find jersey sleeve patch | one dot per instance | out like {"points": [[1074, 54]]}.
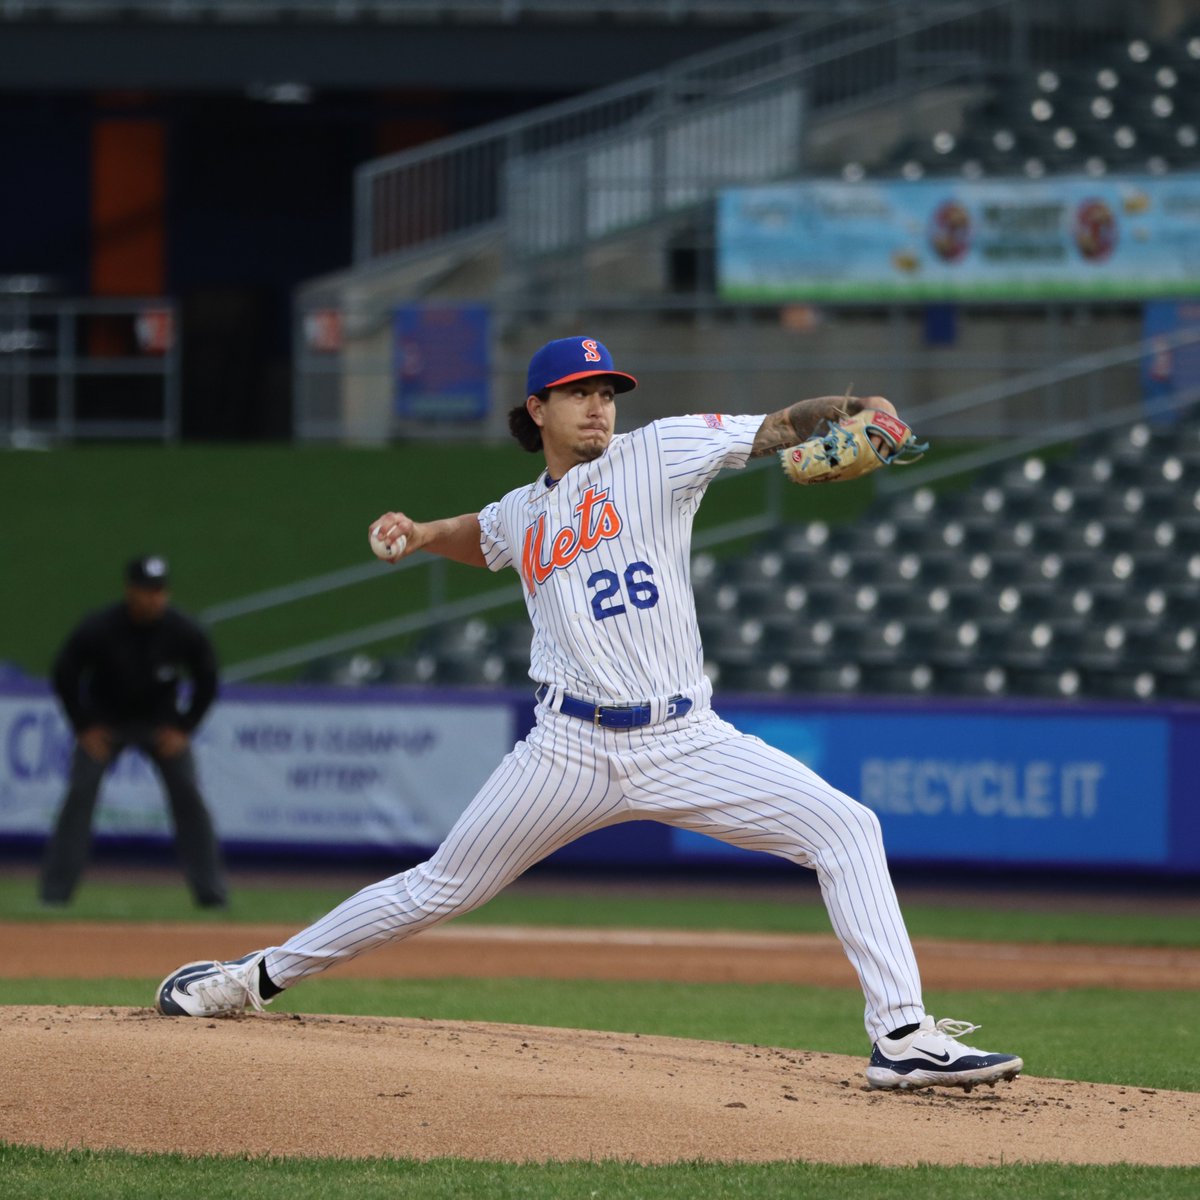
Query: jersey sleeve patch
{"points": [[713, 420]]}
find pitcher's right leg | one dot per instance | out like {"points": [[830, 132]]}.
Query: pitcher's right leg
{"points": [[547, 792]]}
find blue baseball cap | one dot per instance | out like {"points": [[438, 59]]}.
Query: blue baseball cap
{"points": [[567, 359]]}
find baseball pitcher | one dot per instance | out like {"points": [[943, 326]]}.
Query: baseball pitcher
{"points": [[624, 729]]}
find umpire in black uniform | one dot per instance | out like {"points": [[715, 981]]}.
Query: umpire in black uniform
{"points": [[117, 676]]}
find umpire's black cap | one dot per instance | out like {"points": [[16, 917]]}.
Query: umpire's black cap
{"points": [[148, 571]]}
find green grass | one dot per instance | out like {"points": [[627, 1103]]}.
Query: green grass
{"points": [[113, 1175], [297, 906], [86, 1175]]}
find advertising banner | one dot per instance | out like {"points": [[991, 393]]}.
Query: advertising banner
{"points": [[276, 770], [442, 361], [990, 788], [1169, 369], [1064, 237], [337, 774]]}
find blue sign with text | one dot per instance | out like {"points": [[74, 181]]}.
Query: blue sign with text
{"points": [[1088, 790], [442, 366]]}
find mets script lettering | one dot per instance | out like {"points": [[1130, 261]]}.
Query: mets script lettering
{"points": [[598, 521]]}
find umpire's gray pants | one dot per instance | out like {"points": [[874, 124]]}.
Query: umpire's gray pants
{"points": [[195, 840]]}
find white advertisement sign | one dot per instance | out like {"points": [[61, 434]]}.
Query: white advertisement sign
{"points": [[275, 771]]}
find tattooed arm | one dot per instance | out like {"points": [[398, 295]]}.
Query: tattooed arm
{"points": [[794, 424]]}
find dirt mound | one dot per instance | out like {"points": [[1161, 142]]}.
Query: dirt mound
{"points": [[363, 1086]]}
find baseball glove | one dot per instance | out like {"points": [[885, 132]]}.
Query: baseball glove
{"points": [[847, 451]]}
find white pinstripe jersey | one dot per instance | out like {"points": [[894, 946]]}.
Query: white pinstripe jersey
{"points": [[605, 556]]}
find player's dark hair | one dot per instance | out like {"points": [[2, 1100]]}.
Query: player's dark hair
{"points": [[523, 427]]}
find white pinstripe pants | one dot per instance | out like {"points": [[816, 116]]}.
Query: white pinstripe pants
{"points": [[698, 773]]}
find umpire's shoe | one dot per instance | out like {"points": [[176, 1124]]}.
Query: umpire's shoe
{"points": [[212, 989], [933, 1056]]}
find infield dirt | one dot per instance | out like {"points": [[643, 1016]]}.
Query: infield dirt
{"points": [[363, 1086]]}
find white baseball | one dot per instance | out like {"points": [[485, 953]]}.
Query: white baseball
{"points": [[389, 551]]}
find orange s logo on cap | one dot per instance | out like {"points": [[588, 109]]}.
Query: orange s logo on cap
{"points": [[590, 351]]}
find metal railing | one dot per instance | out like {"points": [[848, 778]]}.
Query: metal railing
{"points": [[1050, 432], [661, 165], [73, 367], [409, 201]]}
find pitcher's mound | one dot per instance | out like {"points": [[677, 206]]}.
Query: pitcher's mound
{"points": [[363, 1086]]}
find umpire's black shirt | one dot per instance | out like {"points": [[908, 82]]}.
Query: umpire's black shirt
{"points": [[112, 670]]}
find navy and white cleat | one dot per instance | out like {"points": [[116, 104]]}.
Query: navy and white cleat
{"points": [[212, 989], [932, 1056]]}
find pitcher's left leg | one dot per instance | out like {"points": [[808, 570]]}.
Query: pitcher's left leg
{"points": [[718, 781]]}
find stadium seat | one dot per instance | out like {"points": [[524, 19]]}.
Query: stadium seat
{"points": [[1064, 683], [1166, 651], [1182, 544], [975, 602], [320, 670], [512, 643], [912, 679], [1113, 535], [485, 670], [1026, 568], [952, 569], [1171, 606], [973, 680], [1121, 685], [843, 679], [804, 540], [466, 639], [1180, 687], [756, 677], [965, 643], [409, 669], [734, 642], [705, 569], [885, 642], [812, 598], [356, 670], [1028, 647], [809, 645], [1036, 602], [1101, 648]]}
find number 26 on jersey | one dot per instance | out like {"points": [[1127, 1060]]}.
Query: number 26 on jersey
{"points": [[608, 597]]}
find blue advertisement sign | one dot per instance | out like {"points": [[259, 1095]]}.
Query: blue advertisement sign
{"points": [[441, 361], [337, 772], [989, 788], [948, 239], [1169, 369]]}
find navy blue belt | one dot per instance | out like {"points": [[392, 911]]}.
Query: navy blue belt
{"points": [[614, 716]]}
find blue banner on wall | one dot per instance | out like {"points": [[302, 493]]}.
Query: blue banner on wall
{"points": [[1169, 369], [336, 772], [1085, 790], [442, 361]]}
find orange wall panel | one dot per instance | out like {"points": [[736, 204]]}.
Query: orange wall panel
{"points": [[128, 211]]}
